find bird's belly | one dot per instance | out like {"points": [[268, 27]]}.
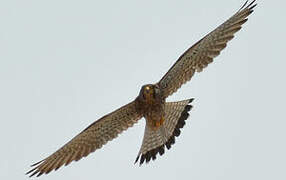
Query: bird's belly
{"points": [[155, 118]]}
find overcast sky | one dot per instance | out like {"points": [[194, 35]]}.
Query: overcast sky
{"points": [[66, 63]]}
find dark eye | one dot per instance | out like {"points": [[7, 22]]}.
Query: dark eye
{"points": [[143, 95]]}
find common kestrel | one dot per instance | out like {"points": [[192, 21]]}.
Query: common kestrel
{"points": [[163, 119]]}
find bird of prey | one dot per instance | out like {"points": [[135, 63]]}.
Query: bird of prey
{"points": [[163, 119]]}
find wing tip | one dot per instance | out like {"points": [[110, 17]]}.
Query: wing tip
{"points": [[249, 6], [35, 170]]}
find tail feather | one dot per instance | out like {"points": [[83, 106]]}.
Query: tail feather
{"points": [[154, 141]]}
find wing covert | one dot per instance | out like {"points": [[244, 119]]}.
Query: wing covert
{"points": [[93, 137], [202, 53]]}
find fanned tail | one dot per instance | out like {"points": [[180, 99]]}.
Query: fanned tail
{"points": [[155, 141]]}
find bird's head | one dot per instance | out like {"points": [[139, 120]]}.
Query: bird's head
{"points": [[149, 93]]}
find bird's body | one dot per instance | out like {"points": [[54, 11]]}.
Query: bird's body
{"points": [[163, 119], [152, 105]]}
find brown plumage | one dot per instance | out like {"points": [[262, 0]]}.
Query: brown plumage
{"points": [[197, 57], [90, 139], [164, 120]]}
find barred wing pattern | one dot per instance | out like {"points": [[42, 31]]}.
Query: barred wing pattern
{"points": [[202, 53], [195, 59], [90, 139]]}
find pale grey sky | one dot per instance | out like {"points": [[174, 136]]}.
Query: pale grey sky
{"points": [[66, 63]]}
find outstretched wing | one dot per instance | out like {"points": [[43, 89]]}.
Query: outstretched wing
{"points": [[202, 53], [90, 139]]}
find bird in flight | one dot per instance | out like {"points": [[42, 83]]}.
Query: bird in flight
{"points": [[164, 120]]}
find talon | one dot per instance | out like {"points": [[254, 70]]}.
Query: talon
{"points": [[157, 124]]}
